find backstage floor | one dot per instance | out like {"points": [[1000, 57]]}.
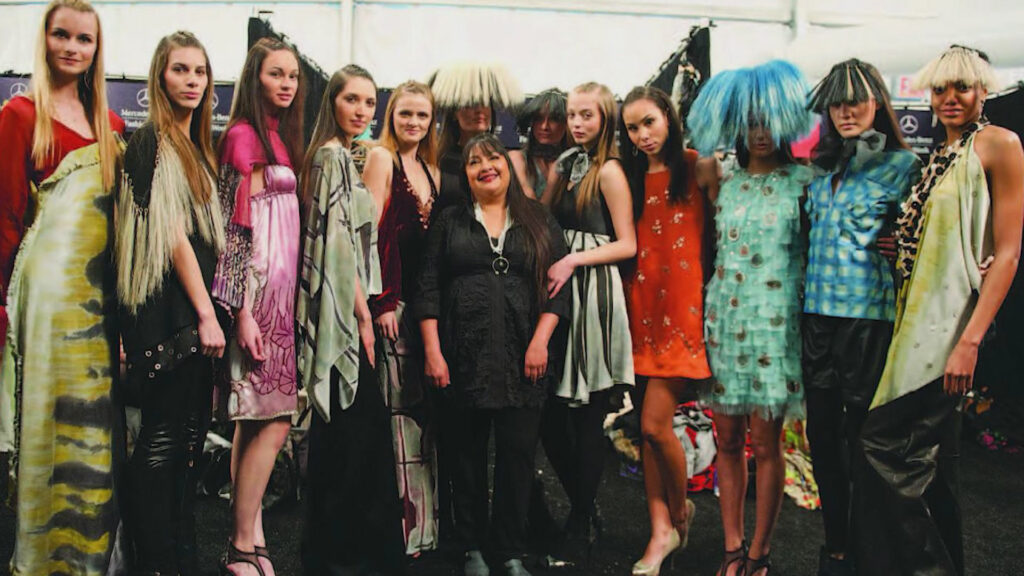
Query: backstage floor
{"points": [[993, 504]]}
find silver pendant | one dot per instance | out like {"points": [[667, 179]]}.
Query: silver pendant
{"points": [[500, 265]]}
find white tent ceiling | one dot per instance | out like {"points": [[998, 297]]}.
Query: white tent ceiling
{"points": [[544, 42]]}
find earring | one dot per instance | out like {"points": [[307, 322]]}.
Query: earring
{"points": [[634, 151]]}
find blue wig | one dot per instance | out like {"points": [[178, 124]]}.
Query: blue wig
{"points": [[772, 95]]}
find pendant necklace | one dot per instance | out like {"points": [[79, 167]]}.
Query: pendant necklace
{"points": [[500, 264]]}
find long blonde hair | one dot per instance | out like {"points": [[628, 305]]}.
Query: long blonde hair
{"points": [[604, 147], [427, 149], [161, 113], [92, 91], [326, 127]]}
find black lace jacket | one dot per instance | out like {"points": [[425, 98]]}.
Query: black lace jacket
{"points": [[486, 320]]}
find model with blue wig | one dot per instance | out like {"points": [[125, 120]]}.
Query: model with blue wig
{"points": [[752, 308], [772, 96]]}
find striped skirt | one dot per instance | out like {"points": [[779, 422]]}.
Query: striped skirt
{"points": [[599, 354]]}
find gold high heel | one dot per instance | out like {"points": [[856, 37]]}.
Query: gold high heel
{"points": [[684, 530], [674, 545]]}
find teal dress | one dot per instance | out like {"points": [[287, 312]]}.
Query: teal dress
{"points": [[754, 297]]}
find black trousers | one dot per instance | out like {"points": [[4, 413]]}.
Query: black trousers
{"points": [[573, 439], [162, 473], [515, 438], [843, 359], [912, 516], [353, 510]]}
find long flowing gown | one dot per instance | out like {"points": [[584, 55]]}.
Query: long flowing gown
{"points": [[57, 412]]}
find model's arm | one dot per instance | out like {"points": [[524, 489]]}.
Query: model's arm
{"points": [[1003, 160], [709, 178], [377, 177], [15, 166], [364, 322], [250, 339], [428, 304], [537, 352], [186, 268], [615, 189]]}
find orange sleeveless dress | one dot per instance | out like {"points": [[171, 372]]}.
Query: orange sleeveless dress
{"points": [[665, 294]]}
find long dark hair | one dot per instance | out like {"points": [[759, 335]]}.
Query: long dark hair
{"points": [[525, 211], [634, 160], [550, 103], [249, 103], [326, 127], [852, 81]]}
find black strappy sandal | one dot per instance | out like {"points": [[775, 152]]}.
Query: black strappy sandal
{"points": [[234, 556], [753, 565], [732, 557], [262, 552]]}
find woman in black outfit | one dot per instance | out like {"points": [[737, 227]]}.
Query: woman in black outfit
{"points": [[487, 322], [169, 232]]}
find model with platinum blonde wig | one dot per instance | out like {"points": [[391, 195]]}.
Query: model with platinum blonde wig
{"points": [[467, 98], [958, 64], [966, 212]]}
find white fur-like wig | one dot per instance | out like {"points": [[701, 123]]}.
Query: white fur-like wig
{"points": [[464, 84], [957, 64]]}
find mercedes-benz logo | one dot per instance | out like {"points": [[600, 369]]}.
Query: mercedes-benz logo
{"points": [[18, 88], [142, 98], [908, 124]]}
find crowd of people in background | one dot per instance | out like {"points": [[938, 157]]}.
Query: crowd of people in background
{"points": [[431, 287]]}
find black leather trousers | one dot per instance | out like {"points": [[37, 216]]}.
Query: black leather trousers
{"points": [[912, 518], [163, 469]]}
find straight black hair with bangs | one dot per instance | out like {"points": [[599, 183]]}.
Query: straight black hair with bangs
{"points": [[851, 82]]}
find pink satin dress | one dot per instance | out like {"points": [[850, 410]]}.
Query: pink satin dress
{"points": [[267, 389]]}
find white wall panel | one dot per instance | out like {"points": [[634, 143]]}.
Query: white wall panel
{"points": [[542, 49], [541, 44]]}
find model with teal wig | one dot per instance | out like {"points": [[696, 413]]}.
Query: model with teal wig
{"points": [[772, 95]]}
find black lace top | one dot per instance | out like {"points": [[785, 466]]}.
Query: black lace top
{"points": [[486, 320]]}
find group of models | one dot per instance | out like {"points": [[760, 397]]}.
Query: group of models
{"points": [[423, 296]]}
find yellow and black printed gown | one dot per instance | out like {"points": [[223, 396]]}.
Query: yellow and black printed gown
{"points": [[57, 415]]}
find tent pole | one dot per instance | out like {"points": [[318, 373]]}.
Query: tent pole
{"points": [[347, 43], [800, 18]]}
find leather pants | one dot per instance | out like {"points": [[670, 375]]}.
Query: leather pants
{"points": [[911, 516], [163, 469]]}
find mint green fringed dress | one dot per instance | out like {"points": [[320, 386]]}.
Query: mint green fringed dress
{"points": [[753, 301]]}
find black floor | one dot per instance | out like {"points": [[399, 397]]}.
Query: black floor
{"points": [[992, 498]]}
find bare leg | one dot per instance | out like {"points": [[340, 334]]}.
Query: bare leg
{"points": [[664, 463], [732, 480], [765, 437], [257, 447]]}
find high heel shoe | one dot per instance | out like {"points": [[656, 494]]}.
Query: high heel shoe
{"points": [[732, 557], [753, 565], [235, 556], [640, 568], [264, 559], [684, 529]]}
